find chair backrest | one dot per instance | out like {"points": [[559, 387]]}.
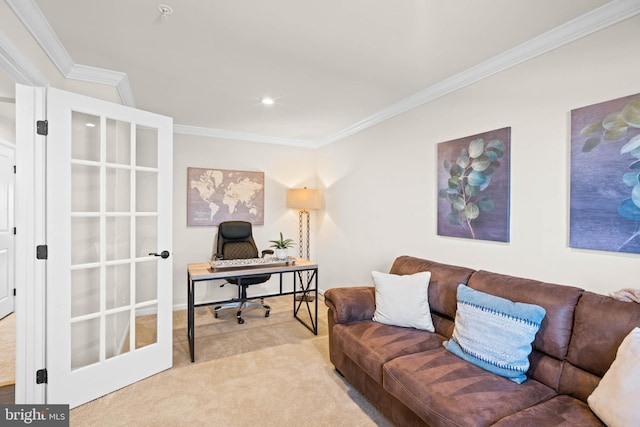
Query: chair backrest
{"points": [[235, 240]]}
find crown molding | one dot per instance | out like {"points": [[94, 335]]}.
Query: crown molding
{"points": [[36, 23], [598, 19], [108, 77], [15, 65], [31, 16], [237, 136]]}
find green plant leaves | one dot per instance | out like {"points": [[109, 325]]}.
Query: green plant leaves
{"points": [[456, 170], [592, 129], [282, 243], [635, 195], [591, 143], [631, 113], [471, 211], [613, 121], [454, 182], [615, 134], [486, 204], [628, 209], [458, 204], [497, 144], [631, 179], [463, 160], [480, 163], [476, 148], [454, 219], [631, 145], [476, 178], [615, 126], [471, 190]]}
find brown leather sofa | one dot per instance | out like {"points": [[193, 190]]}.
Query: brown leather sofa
{"points": [[413, 380]]}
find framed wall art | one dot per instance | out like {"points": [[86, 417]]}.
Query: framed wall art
{"points": [[605, 176], [218, 195], [473, 186]]}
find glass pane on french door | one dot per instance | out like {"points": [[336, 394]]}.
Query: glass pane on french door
{"points": [[114, 218]]}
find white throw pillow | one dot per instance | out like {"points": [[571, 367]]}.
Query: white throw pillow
{"points": [[615, 400], [403, 300]]}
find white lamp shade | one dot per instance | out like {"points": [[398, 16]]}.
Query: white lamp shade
{"points": [[304, 199]]}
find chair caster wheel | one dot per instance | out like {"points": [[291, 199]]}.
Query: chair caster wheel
{"points": [[240, 321], [266, 314], [215, 314]]}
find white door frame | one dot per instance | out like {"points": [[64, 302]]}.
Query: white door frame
{"points": [[30, 273]]}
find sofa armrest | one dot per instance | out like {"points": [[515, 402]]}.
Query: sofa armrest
{"points": [[351, 304]]}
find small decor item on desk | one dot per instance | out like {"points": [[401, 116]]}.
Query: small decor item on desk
{"points": [[282, 247]]}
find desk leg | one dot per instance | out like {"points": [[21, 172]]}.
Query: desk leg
{"points": [[191, 330], [305, 298]]}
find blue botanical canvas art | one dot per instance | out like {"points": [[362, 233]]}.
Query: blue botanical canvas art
{"points": [[473, 186], [605, 176]]}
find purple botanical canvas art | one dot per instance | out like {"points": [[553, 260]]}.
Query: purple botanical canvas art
{"points": [[473, 184], [605, 176]]}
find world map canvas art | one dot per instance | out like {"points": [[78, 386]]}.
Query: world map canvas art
{"points": [[218, 195]]}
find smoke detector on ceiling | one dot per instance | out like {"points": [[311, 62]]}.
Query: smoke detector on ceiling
{"points": [[165, 10]]}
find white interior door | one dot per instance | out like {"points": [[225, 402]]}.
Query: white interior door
{"points": [[109, 208], [7, 251]]}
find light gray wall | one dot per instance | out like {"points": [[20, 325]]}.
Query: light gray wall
{"points": [[380, 184], [7, 128], [8, 115]]}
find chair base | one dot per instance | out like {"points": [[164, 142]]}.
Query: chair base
{"points": [[241, 305]]}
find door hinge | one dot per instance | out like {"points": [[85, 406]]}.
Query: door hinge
{"points": [[42, 127], [15, 230], [14, 169], [42, 252], [14, 292], [41, 376]]}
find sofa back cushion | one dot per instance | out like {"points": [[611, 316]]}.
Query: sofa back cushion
{"points": [[443, 287], [551, 344], [601, 323]]}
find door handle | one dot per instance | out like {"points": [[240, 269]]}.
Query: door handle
{"points": [[163, 254]]}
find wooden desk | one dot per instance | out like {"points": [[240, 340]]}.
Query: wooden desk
{"points": [[202, 271]]}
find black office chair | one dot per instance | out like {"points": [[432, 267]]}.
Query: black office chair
{"points": [[235, 241]]}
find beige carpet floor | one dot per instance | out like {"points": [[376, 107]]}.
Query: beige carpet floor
{"points": [[8, 350], [268, 372]]}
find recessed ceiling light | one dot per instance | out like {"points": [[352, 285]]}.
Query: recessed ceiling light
{"points": [[267, 101]]}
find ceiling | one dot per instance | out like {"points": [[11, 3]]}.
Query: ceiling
{"points": [[331, 66]]}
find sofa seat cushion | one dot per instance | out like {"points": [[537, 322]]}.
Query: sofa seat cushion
{"points": [[445, 390], [559, 411], [371, 344]]}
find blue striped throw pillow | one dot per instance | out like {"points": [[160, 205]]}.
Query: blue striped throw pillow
{"points": [[495, 333]]}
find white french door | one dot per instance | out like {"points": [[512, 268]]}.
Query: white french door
{"points": [[109, 217], [7, 250]]}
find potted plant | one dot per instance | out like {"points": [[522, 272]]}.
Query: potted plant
{"points": [[282, 247]]}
